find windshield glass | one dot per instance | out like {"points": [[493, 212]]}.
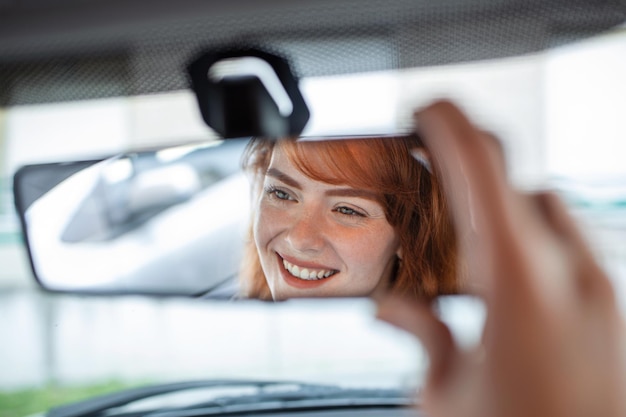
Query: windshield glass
{"points": [[558, 114]]}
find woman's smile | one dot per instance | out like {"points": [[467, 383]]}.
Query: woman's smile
{"points": [[306, 270], [304, 276], [306, 273]]}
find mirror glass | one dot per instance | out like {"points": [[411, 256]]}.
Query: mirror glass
{"points": [[168, 221]]}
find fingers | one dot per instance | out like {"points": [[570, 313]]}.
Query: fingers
{"points": [[419, 320], [509, 244], [470, 165], [561, 222], [591, 279], [485, 209]]}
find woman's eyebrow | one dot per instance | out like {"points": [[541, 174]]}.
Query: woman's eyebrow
{"points": [[281, 176], [334, 192], [352, 192]]}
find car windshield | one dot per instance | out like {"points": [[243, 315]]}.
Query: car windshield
{"points": [[561, 128]]}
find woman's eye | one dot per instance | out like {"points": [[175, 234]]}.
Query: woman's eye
{"points": [[277, 193], [349, 211], [281, 194]]}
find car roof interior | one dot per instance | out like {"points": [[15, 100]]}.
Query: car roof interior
{"points": [[63, 50]]}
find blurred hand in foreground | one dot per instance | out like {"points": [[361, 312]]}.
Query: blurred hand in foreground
{"points": [[553, 343]]}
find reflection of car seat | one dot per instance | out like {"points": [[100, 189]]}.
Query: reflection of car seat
{"points": [[86, 223], [114, 208], [198, 245], [160, 188]]}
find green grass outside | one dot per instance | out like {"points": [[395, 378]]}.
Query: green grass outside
{"points": [[26, 402]]}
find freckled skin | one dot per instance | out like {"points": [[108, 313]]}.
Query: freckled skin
{"points": [[310, 226]]}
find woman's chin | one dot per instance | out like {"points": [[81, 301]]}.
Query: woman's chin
{"points": [[287, 287], [283, 291]]}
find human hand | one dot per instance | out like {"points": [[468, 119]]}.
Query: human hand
{"points": [[553, 343]]}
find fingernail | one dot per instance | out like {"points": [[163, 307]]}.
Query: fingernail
{"points": [[421, 157]]}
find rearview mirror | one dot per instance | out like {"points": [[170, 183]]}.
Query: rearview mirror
{"points": [[309, 218]]}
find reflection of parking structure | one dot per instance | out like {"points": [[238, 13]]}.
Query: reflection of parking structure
{"points": [[172, 223]]}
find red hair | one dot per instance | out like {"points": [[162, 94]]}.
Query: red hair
{"points": [[409, 193]]}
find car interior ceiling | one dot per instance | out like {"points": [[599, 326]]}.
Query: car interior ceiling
{"points": [[68, 50]]}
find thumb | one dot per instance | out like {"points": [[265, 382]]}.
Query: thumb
{"points": [[418, 319]]}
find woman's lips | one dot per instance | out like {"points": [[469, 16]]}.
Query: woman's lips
{"points": [[303, 275]]}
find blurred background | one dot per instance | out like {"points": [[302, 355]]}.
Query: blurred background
{"points": [[560, 115]]}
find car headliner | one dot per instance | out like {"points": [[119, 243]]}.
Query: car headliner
{"points": [[71, 50]]}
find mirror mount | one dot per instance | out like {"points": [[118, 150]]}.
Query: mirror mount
{"points": [[248, 92]]}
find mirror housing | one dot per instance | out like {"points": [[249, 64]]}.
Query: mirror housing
{"points": [[248, 92]]}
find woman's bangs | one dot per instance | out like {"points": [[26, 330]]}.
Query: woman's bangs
{"points": [[337, 162]]}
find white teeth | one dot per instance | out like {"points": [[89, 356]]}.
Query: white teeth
{"points": [[306, 273]]}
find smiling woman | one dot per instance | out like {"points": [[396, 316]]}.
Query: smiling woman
{"points": [[351, 217]]}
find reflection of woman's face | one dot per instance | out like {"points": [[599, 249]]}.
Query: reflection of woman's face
{"points": [[318, 239]]}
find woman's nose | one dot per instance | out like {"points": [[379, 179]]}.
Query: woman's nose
{"points": [[306, 233]]}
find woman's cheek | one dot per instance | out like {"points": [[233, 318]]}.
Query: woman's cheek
{"points": [[268, 219]]}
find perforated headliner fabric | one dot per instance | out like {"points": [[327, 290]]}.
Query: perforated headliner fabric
{"points": [[70, 50]]}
